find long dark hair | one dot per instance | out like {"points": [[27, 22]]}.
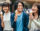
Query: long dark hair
{"points": [[38, 6], [16, 4], [3, 12]]}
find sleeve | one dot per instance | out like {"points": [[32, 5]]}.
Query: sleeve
{"points": [[26, 22], [12, 21], [37, 23], [27, 19], [29, 24]]}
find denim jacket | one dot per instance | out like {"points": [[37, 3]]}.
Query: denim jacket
{"points": [[25, 20]]}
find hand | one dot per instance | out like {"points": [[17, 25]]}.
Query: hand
{"points": [[12, 29], [31, 17], [2, 24], [15, 16]]}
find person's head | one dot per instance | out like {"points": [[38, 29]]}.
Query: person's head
{"points": [[35, 8], [5, 7], [19, 6]]}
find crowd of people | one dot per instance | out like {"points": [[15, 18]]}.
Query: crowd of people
{"points": [[19, 20]]}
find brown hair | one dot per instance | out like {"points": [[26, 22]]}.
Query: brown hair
{"points": [[6, 4], [36, 4]]}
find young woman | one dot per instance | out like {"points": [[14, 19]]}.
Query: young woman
{"points": [[6, 17], [34, 22]]}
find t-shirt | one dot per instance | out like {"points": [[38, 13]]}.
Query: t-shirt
{"points": [[19, 24], [7, 22]]}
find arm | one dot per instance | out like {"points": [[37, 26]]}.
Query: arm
{"points": [[37, 23], [12, 22], [12, 29], [29, 25], [12, 18], [27, 19], [30, 21], [26, 22], [2, 23]]}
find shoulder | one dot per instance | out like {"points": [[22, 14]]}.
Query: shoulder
{"points": [[25, 14], [12, 14]]}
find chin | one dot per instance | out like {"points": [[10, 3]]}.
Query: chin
{"points": [[34, 12], [20, 11]]}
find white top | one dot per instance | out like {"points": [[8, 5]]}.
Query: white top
{"points": [[7, 23], [35, 25]]}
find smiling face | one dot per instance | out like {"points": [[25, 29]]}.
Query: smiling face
{"points": [[34, 8], [20, 7], [5, 8]]}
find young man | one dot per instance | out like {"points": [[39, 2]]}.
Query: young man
{"points": [[20, 18]]}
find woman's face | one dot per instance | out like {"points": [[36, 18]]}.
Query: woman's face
{"points": [[20, 7], [5, 9], [34, 9]]}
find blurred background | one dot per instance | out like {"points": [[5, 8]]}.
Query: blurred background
{"points": [[28, 3]]}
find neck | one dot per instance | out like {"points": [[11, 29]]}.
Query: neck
{"points": [[7, 12], [35, 15], [19, 12]]}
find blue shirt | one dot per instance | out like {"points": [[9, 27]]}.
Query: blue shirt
{"points": [[19, 24]]}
